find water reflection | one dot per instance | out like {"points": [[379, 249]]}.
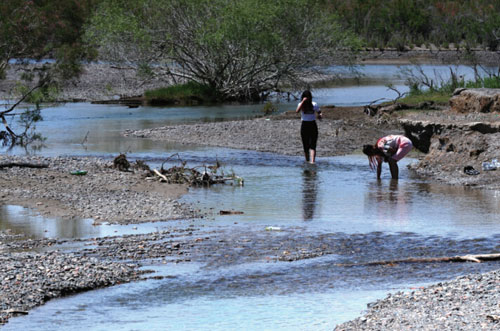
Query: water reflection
{"points": [[21, 220], [391, 202], [309, 192]]}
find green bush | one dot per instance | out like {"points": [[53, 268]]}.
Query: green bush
{"points": [[487, 82], [269, 108], [442, 92], [189, 93]]}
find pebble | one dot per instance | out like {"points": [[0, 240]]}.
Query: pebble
{"points": [[467, 303], [104, 193]]}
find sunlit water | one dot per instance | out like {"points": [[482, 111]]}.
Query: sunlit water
{"points": [[338, 197]]}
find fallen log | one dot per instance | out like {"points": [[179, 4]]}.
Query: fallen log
{"points": [[230, 212], [22, 165], [15, 312], [464, 258]]}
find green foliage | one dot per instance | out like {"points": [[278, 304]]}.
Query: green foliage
{"points": [[422, 88], [38, 29], [269, 108], [239, 48], [435, 21], [41, 29], [188, 93], [437, 97], [489, 82]]}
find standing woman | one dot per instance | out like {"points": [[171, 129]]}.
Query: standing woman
{"points": [[388, 149], [309, 129]]}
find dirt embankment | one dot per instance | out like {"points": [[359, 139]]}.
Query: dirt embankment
{"points": [[459, 140]]}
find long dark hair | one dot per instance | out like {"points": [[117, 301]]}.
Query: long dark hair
{"points": [[372, 151], [307, 106]]}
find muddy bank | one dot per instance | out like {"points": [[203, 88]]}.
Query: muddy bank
{"points": [[104, 194]]}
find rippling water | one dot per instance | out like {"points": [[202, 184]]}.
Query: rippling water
{"points": [[337, 205]]}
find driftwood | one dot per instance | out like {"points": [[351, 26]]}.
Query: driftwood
{"points": [[160, 175], [181, 174], [465, 258], [22, 165], [121, 163], [230, 212], [15, 312]]}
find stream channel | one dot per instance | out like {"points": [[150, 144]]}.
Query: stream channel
{"points": [[337, 203]]}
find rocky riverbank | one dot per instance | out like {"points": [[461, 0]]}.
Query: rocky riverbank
{"points": [[108, 195], [104, 193], [451, 141], [460, 139], [33, 271], [467, 303], [30, 279]]}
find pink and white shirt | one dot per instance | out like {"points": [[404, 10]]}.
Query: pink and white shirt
{"points": [[395, 146]]}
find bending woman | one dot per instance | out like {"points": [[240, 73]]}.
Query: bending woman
{"points": [[309, 129], [388, 149]]}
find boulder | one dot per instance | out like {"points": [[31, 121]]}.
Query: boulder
{"points": [[480, 100]]}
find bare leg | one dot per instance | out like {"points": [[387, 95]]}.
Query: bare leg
{"points": [[393, 166], [313, 155]]}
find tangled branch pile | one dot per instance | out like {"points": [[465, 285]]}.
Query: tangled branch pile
{"points": [[181, 174]]}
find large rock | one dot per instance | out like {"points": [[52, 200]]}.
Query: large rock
{"points": [[480, 100]]}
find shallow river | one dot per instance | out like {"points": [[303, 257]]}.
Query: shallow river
{"points": [[336, 201]]}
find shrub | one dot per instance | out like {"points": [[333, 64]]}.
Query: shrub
{"points": [[188, 93], [269, 108]]}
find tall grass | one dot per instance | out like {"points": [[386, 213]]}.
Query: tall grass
{"points": [[424, 88]]}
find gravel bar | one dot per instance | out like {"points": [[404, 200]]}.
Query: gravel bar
{"points": [[469, 302], [30, 279], [104, 194], [277, 134]]}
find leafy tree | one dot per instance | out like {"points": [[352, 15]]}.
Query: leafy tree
{"points": [[35, 30], [441, 22], [241, 49]]}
